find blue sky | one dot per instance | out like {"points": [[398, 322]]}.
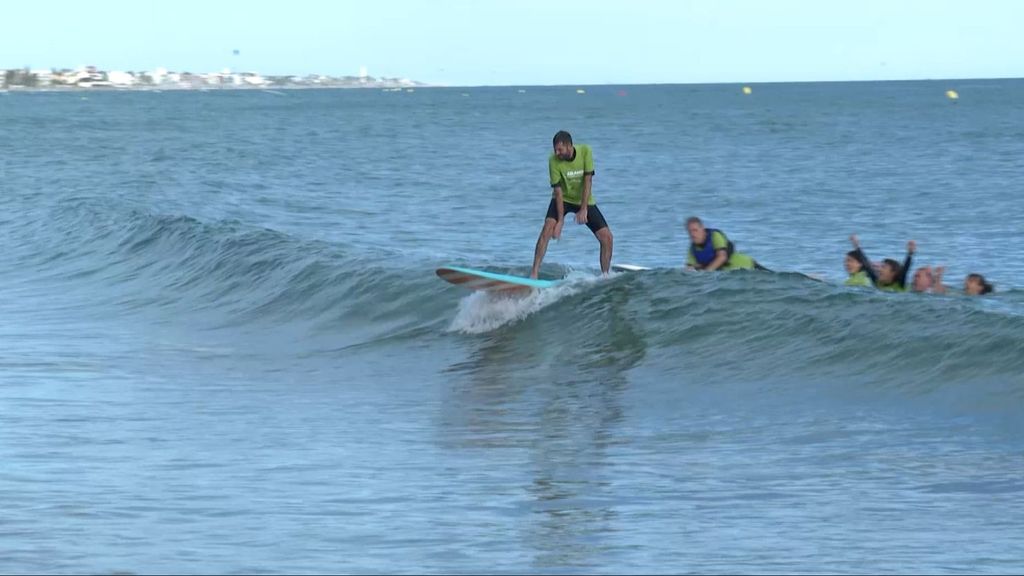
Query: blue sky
{"points": [[510, 42]]}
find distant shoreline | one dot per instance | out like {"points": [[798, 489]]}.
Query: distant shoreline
{"points": [[395, 86], [91, 78], [171, 88]]}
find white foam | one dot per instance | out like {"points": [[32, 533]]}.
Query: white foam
{"points": [[483, 312]]}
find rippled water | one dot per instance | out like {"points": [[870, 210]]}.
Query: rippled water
{"points": [[223, 347]]}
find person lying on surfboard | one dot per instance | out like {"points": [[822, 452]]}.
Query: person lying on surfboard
{"points": [[572, 172], [711, 249]]}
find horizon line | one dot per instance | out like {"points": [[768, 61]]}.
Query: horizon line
{"points": [[724, 83], [431, 84]]}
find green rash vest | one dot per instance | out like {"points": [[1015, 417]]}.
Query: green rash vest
{"points": [[894, 287], [569, 175], [859, 279], [738, 260]]}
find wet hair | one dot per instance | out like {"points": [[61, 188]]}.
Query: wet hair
{"points": [[853, 254], [562, 137], [693, 220], [897, 268], [986, 288]]}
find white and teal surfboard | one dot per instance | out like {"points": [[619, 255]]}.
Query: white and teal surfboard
{"points": [[492, 281]]}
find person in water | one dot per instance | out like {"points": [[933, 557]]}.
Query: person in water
{"points": [[711, 249], [929, 279], [976, 285], [572, 172], [860, 270], [891, 276]]}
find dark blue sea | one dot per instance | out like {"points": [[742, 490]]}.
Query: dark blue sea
{"points": [[223, 347]]}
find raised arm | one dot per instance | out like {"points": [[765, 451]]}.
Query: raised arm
{"points": [[863, 259], [902, 278]]}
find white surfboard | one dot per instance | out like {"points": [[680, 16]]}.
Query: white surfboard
{"points": [[629, 268]]}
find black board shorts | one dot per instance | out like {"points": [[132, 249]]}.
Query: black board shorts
{"points": [[595, 220]]}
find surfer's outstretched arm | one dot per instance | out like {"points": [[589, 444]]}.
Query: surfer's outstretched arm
{"points": [[863, 259], [901, 280]]}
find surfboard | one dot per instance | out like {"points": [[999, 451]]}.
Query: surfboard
{"points": [[491, 281], [629, 268]]}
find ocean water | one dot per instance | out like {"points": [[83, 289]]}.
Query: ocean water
{"points": [[223, 347]]}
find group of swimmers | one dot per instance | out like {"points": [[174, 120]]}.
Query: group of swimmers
{"points": [[711, 249], [571, 171], [891, 276]]}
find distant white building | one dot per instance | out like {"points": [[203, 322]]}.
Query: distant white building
{"points": [[158, 76], [77, 76], [44, 76], [86, 77], [119, 78], [363, 74], [216, 78]]}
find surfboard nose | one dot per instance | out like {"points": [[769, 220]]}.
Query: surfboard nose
{"points": [[482, 280]]}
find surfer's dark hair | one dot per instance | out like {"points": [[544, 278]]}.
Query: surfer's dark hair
{"points": [[563, 137], [986, 288], [693, 220], [895, 266]]}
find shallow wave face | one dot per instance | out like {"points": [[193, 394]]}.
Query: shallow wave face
{"points": [[223, 274], [761, 326], [745, 325]]}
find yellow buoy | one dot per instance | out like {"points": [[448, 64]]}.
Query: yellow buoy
{"points": [[952, 95], [747, 90]]}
